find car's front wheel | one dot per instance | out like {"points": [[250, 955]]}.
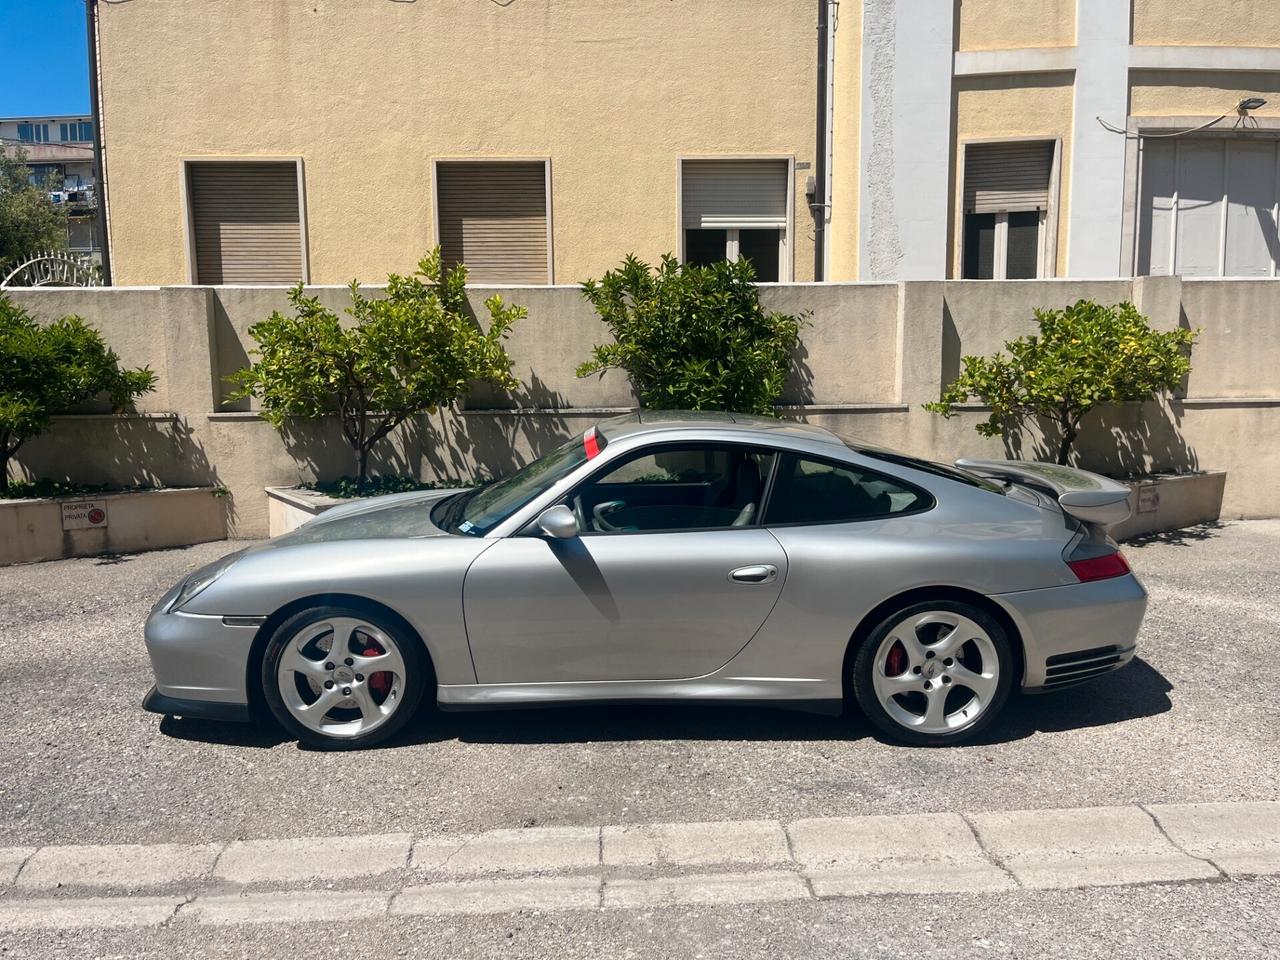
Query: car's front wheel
{"points": [[341, 678], [934, 673]]}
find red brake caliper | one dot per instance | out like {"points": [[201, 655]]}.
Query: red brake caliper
{"points": [[379, 683], [896, 662]]}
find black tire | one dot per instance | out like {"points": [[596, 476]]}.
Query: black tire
{"points": [[863, 682], [418, 676]]}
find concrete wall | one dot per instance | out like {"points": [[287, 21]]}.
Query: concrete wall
{"points": [[368, 93], [871, 355]]}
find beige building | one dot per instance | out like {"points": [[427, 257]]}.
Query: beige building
{"points": [[542, 140], [58, 152]]}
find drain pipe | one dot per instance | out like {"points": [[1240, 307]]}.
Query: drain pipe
{"points": [[819, 204], [99, 178]]}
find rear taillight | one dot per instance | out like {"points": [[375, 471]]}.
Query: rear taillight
{"points": [[1099, 568]]}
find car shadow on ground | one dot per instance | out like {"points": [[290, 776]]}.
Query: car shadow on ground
{"points": [[1139, 690]]}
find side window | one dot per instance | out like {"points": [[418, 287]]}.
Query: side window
{"points": [[816, 491], [675, 487]]}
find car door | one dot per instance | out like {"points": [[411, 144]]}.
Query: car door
{"points": [[670, 577]]}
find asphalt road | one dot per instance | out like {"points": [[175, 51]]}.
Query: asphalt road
{"points": [[1195, 718]]}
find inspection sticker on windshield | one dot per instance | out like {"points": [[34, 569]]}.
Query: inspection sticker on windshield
{"points": [[83, 514], [465, 526]]}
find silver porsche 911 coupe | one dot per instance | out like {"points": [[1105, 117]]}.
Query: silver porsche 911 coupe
{"points": [[667, 557]]}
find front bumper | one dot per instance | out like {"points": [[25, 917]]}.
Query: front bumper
{"points": [[1077, 632], [157, 702], [198, 659]]}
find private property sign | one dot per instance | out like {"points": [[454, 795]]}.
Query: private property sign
{"points": [[82, 514]]}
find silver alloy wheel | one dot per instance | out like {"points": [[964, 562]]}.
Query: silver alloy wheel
{"points": [[341, 677], [936, 672]]}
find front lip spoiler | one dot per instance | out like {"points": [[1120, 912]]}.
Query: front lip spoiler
{"points": [[157, 702]]}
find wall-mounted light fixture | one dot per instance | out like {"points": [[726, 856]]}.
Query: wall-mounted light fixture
{"points": [[1250, 103]]}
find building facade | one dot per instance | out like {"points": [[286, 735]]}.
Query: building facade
{"points": [[59, 154], [540, 141]]}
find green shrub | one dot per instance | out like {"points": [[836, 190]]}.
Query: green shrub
{"points": [[416, 349], [1085, 355], [693, 338], [46, 370]]}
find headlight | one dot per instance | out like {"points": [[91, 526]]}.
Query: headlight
{"points": [[202, 579]]}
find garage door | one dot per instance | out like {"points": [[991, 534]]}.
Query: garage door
{"points": [[245, 222], [1208, 207]]}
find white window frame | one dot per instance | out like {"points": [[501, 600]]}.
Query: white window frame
{"points": [[435, 199], [1047, 262], [786, 249], [188, 209]]}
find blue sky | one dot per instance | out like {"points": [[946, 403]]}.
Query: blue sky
{"points": [[43, 63]]}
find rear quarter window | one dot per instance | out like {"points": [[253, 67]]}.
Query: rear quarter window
{"points": [[811, 491]]}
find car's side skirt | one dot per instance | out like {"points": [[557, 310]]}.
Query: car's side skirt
{"points": [[814, 696]]}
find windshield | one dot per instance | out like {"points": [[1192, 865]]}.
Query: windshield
{"points": [[924, 466], [478, 511]]}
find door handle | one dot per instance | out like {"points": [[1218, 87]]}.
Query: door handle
{"points": [[758, 573]]}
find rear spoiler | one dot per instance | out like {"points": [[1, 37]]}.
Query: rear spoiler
{"points": [[1085, 496]]}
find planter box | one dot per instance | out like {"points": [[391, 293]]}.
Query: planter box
{"points": [[52, 529], [1166, 502], [290, 507]]}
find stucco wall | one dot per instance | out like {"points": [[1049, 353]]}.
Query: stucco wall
{"points": [[871, 354], [1001, 25], [1012, 107], [368, 93], [1200, 93], [1245, 23]]}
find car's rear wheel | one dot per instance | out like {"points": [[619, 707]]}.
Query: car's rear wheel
{"points": [[340, 678], [934, 673]]}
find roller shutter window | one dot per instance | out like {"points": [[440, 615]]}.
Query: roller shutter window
{"points": [[1209, 207], [1006, 206], [493, 217], [245, 222], [733, 209]]}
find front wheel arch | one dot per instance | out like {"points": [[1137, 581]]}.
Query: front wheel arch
{"points": [[253, 668], [921, 595]]}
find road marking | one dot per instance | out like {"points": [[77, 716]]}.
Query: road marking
{"points": [[535, 849], [11, 860], [499, 896], [695, 844], [715, 888], [124, 865], [916, 853], [1097, 846], [312, 858], [1243, 839], [96, 912], [303, 906]]}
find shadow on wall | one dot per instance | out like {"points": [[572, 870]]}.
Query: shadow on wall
{"points": [[495, 444], [1119, 441], [124, 451]]}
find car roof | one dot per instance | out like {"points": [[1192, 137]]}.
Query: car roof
{"points": [[657, 421]]}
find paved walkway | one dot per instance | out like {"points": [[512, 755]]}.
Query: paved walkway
{"points": [[636, 866]]}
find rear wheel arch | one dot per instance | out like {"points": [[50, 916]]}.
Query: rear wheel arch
{"points": [[901, 601], [253, 668]]}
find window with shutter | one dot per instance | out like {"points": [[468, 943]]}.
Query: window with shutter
{"points": [[492, 216], [736, 209], [1006, 205], [246, 225]]}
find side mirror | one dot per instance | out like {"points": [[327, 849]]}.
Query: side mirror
{"points": [[558, 522]]}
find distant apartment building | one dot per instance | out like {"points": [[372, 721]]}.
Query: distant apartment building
{"points": [[540, 141], [59, 154]]}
